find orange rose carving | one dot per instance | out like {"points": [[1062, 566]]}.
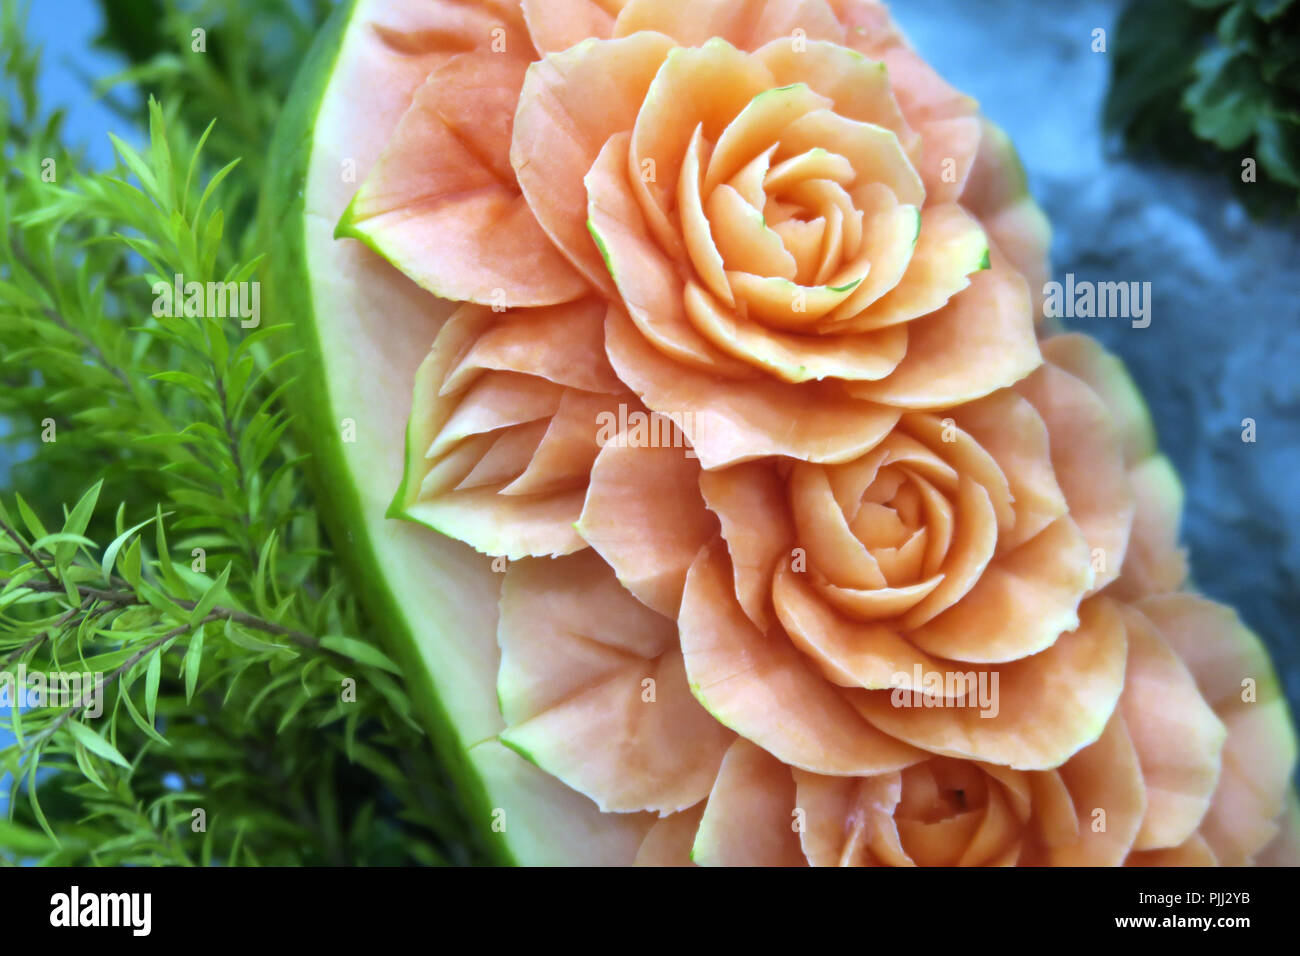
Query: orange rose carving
{"points": [[1184, 774], [818, 555]]}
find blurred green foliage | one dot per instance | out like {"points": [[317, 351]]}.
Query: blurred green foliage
{"points": [[1212, 83], [157, 526]]}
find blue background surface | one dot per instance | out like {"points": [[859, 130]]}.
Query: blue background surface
{"points": [[1224, 341]]}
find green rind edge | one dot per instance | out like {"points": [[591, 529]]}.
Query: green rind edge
{"points": [[282, 222]]}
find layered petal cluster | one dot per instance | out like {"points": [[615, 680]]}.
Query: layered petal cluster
{"points": [[1188, 771], [502, 435], [820, 552], [963, 546], [771, 227]]}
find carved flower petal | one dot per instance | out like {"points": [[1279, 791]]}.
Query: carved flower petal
{"points": [[627, 751], [744, 240], [1155, 564], [696, 229], [1260, 753], [761, 122], [938, 842], [750, 180], [441, 202], [497, 524], [785, 304], [747, 24], [1021, 603], [556, 25], [890, 234], [669, 841], [1049, 705], [997, 191], [464, 439], [1084, 358], [501, 456], [858, 87], [559, 132], [982, 340], [563, 458], [1008, 429], [1056, 821], [496, 400], [567, 624], [564, 344], [750, 503], [966, 455], [748, 818], [734, 421], [1177, 736], [1089, 464], [1284, 850], [843, 256], [849, 653], [645, 516], [1016, 786], [1104, 777], [875, 151], [850, 822], [997, 836], [868, 26], [648, 281], [921, 92], [430, 410], [950, 247], [696, 91], [824, 532], [817, 163], [1194, 852], [880, 603], [759, 686], [964, 568], [793, 357], [949, 149]]}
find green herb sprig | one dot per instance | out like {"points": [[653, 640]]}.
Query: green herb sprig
{"points": [[244, 716]]}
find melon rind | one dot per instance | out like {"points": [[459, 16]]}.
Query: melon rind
{"points": [[364, 328]]}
